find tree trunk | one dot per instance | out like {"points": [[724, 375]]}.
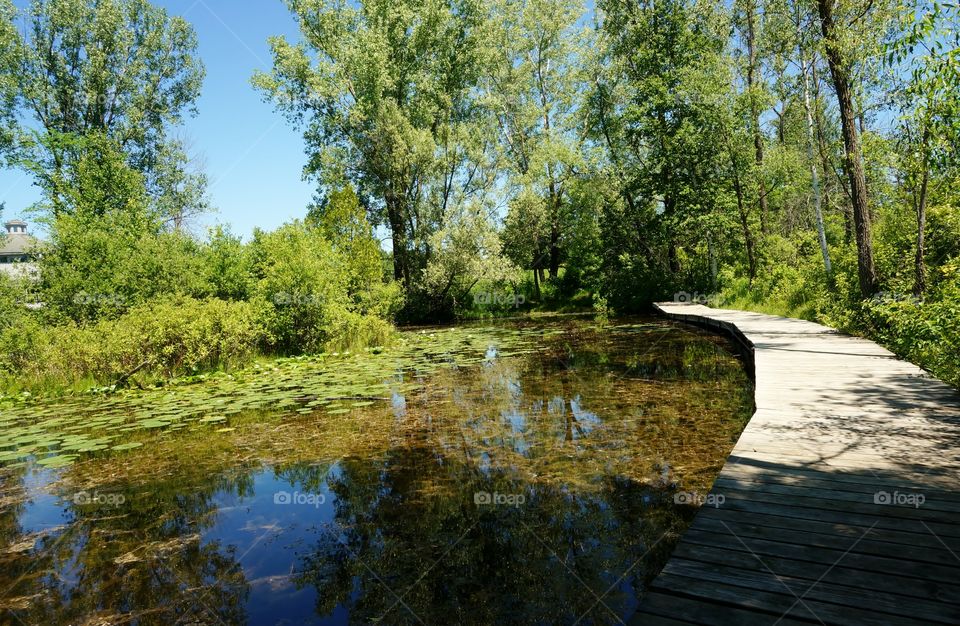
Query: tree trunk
{"points": [[814, 174], [745, 225], [554, 250], [853, 163], [401, 268], [920, 268], [713, 263], [755, 116], [744, 218]]}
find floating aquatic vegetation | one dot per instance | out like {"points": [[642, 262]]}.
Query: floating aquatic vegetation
{"points": [[291, 385], [150, 491]]}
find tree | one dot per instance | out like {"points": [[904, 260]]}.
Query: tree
{"points": [[535, 92], [926, 53], [383, 89], [746, 16], [667, 60], [122, 69], [342, 220], [227, 266], [8, 81], [108, 250], [841, 69]]}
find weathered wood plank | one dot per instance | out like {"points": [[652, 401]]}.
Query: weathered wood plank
{"points": [[700, 612], [839, 422]]}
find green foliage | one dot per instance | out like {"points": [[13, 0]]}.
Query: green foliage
{"points": [[303, 284], [119, 68], [343, 222], [465, 252], [227, 265], [11, 301], [383, 89], [169, 336], [927, 333], [107, 250]]}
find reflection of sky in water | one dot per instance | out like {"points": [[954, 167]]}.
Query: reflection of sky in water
{"points": [[518, 426], [44, 511], [588, 420], [269, 537], [505, 408], [399, 403]]}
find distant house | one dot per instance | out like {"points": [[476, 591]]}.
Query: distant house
{"points": [[18, 251]]}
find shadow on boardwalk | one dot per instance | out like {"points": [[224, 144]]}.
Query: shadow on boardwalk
{"points": [[840, 503]]}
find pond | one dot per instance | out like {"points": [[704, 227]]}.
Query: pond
{"points": [[533, 472]]}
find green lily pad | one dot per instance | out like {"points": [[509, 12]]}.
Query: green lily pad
{"points": [[127, 446], [61, 460]]}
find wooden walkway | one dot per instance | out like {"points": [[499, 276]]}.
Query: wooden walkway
{"points": [[840, 501]]}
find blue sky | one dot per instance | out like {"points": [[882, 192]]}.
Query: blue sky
{"points": [[252, 156]]}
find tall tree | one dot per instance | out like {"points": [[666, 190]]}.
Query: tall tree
{"points": [[668, 60], [747, 16], [121, 69], [535, 93], [925, 58], [841, 70], [383, 90]]}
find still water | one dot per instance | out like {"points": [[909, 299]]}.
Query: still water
{"points": [[521, 473]]}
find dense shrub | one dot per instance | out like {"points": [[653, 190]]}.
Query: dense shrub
{"points": [[109, 247], [301, 285], [926, 333], [168, 337]]}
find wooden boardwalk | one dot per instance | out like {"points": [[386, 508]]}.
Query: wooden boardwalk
{"points": [[840, 501]]}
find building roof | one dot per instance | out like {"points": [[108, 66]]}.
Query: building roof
{"points": [[16, 241]]}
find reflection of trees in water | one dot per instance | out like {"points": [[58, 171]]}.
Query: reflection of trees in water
{"points": [[142, 559], [578, 429], [410, 544], [451, 561]]}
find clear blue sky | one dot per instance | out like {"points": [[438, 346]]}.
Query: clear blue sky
{"points": [[252, 156]]}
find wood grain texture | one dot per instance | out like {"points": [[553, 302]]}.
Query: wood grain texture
{"points": [[840, 503]]}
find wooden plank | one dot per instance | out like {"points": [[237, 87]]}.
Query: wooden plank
{"points": [[704, 612], [853, 546], [883, 605], [838, 568], [838, 419], [844, 531], [767, 603], [812, 509], [864, 501], [826, 480]]}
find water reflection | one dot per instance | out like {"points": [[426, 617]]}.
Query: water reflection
{"points": [[531, 488]]}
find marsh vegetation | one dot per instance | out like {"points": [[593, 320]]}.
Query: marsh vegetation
{"points": [[352, 487]]}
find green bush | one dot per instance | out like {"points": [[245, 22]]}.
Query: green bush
{"points": [[303, 288], [926, 333], [165, 338]]}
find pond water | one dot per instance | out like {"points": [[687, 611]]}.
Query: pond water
{"points": [[527, 472]]}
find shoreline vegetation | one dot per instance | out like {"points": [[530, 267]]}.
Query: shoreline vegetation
{"points": [[484, 160]]}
